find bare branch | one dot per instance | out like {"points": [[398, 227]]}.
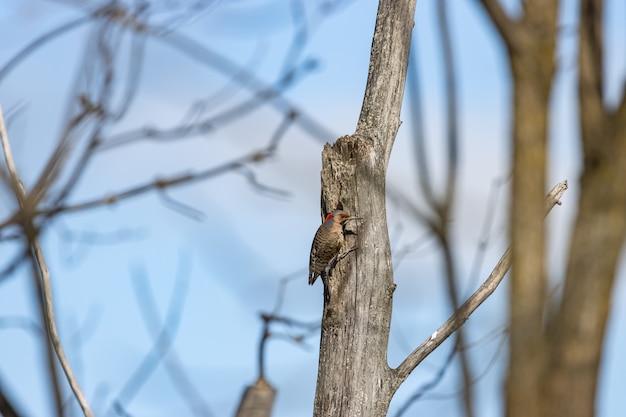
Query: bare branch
{"points": [[51, 324], [40, 269], [473, 302], [7, 408], [40, 41], [207, 124], [484, 238], [10, 268], [220, 63], [419, 393], [19, 322], [451, 112], [504, 24], [418, 126], [16, 182], [163, 348], [275, 317], [156, 185]]}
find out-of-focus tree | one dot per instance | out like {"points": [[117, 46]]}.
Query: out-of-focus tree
{"points": [[556, 345]]}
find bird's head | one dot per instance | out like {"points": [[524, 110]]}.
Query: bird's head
{"points": [[340, 216]]}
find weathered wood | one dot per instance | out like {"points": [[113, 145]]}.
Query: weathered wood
{"points": [[354, 378]]}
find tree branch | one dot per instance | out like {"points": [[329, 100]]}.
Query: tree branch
{"points": [[504, 24], [40, 268], [38, 42], [7, 407], [465, 311], [163, 183]]}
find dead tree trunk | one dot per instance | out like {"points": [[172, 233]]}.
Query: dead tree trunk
{"points": [[354, 378]]}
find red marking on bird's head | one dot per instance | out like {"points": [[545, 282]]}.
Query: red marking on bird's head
{"points": [[330, 216]]}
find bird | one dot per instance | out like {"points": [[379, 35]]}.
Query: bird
{"points": [[328, 241]]}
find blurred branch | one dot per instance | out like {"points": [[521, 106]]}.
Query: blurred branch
{"points": [[445, 208], [220, 63], [428, 386], [237, 165], [41, 277], [304, 25], [12, 266], [274, 317], [161, 184], [441, 207], [483, 241], [258, 398], [105, 39], [424, 388], [19, 322], [461, 315], [106, 113], [163, 348], [207, 124], [506, 26], [401, 253], [40, 41], [451, 112], [7, 408], [500, 347], [417, 124]]}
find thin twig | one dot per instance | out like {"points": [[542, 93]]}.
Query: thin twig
{"points": [[163, 183], [39, 41], [444, 210], [275, 317], [423, 389]]}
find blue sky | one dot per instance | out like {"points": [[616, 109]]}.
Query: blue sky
{"points": [[247, 241]]}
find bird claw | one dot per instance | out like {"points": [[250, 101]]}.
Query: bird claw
{"points": [[335, 259]]}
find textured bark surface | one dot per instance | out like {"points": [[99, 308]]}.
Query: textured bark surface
{"points": [[354, 378]]}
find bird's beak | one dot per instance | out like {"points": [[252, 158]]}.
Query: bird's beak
{"points": [[351, 218]]}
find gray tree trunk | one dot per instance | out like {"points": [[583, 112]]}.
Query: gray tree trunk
{"points": [[354, 378]]}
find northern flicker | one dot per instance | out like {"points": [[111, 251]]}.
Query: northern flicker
{"points": [[328, 241]]}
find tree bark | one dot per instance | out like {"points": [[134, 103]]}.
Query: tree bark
{"points": [[530, 42], [532, 66], [354, 378], [554, 368], [578, 328]]}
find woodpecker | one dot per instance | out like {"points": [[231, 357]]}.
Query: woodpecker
{"points": [[328, 241]]}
